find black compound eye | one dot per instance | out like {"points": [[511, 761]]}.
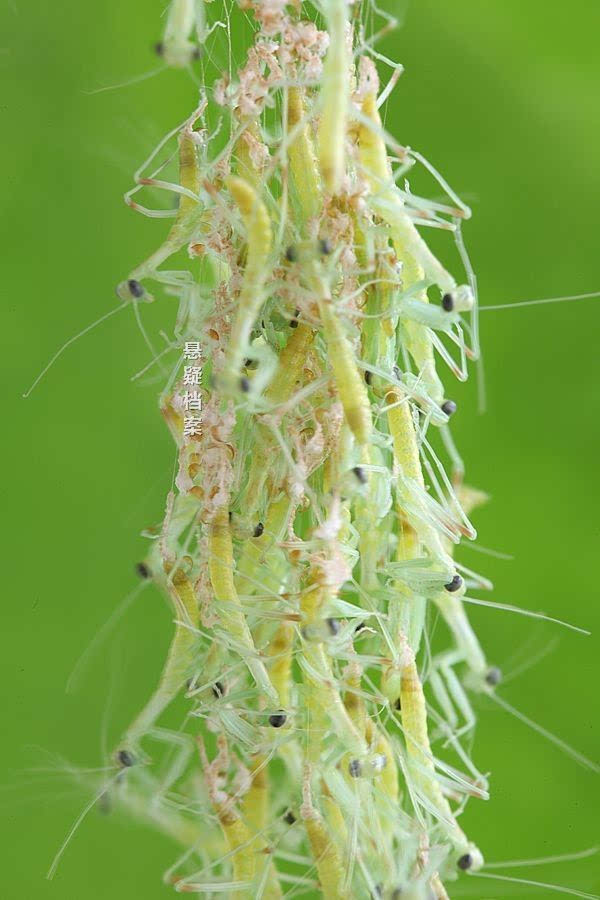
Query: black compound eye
{"points": [[493, 676], [276, 720], [333, 625], [244, 384], [454, 585], [196, 53], [449, 407], [325, 247], [142, 570], [291, 254], [159, 48], [258, 530], [126, 759], [448, 302], [355, 768], [465, 862], [289, 817], [135, 288], [360, 474]]}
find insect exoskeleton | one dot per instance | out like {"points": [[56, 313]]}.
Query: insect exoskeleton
{"points": [[458, 300], [176, 48], [132, 289]]}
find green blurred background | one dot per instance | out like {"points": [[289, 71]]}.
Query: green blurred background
{"points": [[503, 97]]}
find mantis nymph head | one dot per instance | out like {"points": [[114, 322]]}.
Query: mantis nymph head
{"points": [[184, 18], [458, 300]]}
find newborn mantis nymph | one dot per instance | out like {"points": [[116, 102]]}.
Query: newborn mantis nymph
{"points": [[184, 18], [178, 665], [334, 99], [258, 231], [188, 217]]}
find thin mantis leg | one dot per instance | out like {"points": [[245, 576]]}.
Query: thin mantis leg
{"points": [[177, 667], [188, 217]]}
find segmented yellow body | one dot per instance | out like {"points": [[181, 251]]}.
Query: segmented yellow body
{"points": [[178, 664], [405, 238], [239, 842], [406, 456], [353, 701], [288, 377], [414, 723], [348, 380], [387, 780], [412, 698], [189, 171], [280, 669], [191, 215], [231, 614], [246, 167], [323, 693], [334, 98], [256, 815], [259, 237], [302, 156], [328, 859], [334, 817], [257, 550]]}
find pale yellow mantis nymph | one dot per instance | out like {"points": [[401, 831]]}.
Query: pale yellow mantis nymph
{"points": [[349, 382], [221, 576], [302, 157], [407, 455], [316, 666], [406, 678], [256, 811], [414, 721], [411, 484], [177, 668], [236, 833], [258, 234], [328, 858], [334, 98], [417, 260], [188, 217], [184, 19], [288, 377]]}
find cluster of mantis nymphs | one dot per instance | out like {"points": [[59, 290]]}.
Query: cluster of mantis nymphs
{"points": [[307, 545]]}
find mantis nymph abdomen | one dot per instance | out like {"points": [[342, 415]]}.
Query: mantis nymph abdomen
{"points": [[258, 235], [334, 99]]}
